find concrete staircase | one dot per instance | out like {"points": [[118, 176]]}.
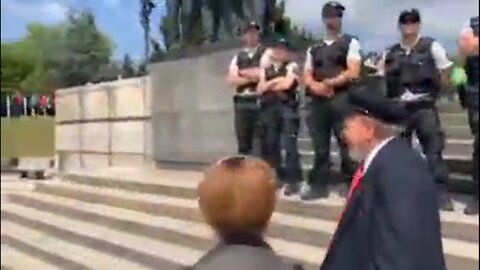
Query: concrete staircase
{"points": [[129, 219]]}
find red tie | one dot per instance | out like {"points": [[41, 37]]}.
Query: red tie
{"points": [[357, 178]]}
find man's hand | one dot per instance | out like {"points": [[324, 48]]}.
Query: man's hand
{"points": [[250, 73], [321, 89]]}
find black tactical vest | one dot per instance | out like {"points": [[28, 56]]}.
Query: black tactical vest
{"points": [[471, 65], [245, 61], [415, 71], [289, 95], [330, 60]]}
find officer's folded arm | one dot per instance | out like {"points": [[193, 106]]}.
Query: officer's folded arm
{"points": [[286, 82], [316, 87], [264, 85], [235, 80], [352, 73]]}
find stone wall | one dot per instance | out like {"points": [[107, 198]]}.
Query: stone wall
{"points": [[192, 117], [106, 124]]}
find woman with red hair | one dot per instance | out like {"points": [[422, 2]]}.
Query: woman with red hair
{"points": [[237, 199]]}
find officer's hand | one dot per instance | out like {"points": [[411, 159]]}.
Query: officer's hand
{"points": [[321, 89]]}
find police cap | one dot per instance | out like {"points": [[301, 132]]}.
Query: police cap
{"points": [[369, 103], [281, 43], [251, 26], [409, 16], [332, 9]]}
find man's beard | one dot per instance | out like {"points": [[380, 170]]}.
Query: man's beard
{"points": [[357, 154]]}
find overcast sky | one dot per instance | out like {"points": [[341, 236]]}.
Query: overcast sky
{"points": [[373, 21]]}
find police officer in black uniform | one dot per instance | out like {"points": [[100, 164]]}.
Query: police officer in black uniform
{"points": [[331, 67], [244, 75], [279, 115], [468, 48], [415, 70]]}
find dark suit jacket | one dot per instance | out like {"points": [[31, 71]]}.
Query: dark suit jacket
{"points": [[242, 252], [392, 220]]}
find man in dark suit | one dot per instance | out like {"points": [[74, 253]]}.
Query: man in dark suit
{"points": [[391, 219]]}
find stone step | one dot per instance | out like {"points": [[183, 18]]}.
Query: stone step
{"points": [[457, 119], [149, 195], [174, 228], [150, 253], [14, 259], [61, 253]]}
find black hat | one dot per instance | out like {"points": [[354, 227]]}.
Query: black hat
{"points": [[332, 9], [366, 102], [250, 26], [282, 43], [409, 16]]}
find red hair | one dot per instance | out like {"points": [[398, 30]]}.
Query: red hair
{"points": [[237, 195]]}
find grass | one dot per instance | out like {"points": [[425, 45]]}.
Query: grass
{"points": [[27, 137]]}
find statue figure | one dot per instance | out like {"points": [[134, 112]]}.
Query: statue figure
{"points": [[220, 19]]}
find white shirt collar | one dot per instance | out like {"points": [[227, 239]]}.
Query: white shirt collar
{"points": [[374, 152], [409, 48]]}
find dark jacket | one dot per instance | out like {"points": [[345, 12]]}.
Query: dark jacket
{"points": [[242, 252], [391, 221]]}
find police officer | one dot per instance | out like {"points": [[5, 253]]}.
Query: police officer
{"points": [[330, 69], [468, 50], [243, 75], [415, 70], [279, 115]]}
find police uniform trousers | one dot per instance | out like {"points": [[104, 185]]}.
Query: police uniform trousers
{"points": [[246, 125], [473, 115], [324, 116], [279, 125], [425, 122]]}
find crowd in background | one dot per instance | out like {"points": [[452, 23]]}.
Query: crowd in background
{"points": [[18, 104]]}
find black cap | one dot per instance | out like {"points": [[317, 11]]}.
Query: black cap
{"points": [[332, 9], [367, 102], [282, 43], [250, 26], [409, 16]]}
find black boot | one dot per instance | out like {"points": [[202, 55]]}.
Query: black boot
{"points": [[314, 193], [291, 189], [445, 201], [472, 207]]}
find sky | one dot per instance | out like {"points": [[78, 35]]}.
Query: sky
{"points": [[373, 21]]}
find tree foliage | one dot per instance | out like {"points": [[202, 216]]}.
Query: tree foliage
{"points": [[51, 57]]}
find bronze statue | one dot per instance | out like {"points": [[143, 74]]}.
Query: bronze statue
{"points": [[219, 19]]}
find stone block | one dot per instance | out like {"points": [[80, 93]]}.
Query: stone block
{"points": [[94, 161], [67, 137], [128, 137], [128, 101], [67, 107], [200, 138], [148, 143], [122, 160], [68, 162], [95, 137], [96, 104]]}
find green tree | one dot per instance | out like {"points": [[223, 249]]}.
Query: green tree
{"points": [[87, 49], [128, 70], [15, 65]]}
